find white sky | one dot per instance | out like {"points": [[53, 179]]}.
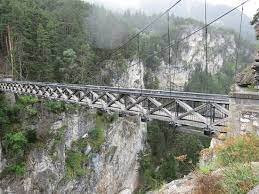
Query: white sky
{"points": [[249, 9]]}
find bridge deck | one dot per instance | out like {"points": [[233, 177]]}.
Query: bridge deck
{"points": [[183, 108]]}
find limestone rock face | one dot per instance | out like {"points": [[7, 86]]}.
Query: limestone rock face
{"points": [[111, 170], [181, 186]]}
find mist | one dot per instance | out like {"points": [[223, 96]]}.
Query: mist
{"points": [[109, 28]]}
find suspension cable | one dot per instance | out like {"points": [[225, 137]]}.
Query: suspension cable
{"points": [[194, 32], [140, 32], [169, 51], [139, 64], [206, 46], [239, 39]]}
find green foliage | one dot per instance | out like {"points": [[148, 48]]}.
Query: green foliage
{"points": [[16, 169], [16, 139], [255, 18], [97, 135], [151, 82], [220, 83], [27, 100], [149, 177], [15, 144], [207, 169], [58, 107], [25, 105], [8, 115], [75, 164], [58, 139], [235, 157], [168, 168], [241, 149], [161, 163], [43, 33], [239, 178], [55, 106]]}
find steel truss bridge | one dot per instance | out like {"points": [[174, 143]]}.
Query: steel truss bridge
{"points": [[205, 111]]}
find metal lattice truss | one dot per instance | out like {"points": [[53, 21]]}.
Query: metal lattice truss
{"points": [[207, 111]]}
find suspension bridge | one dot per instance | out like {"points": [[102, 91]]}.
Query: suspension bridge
{"points": [[209, 112]]}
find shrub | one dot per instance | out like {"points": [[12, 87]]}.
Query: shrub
{"points": [[239, 149], [97, 138], [8, 115], [24, 105], [208, 184], [239, 178], [15, 143], [168, 169], [31, 136], [55, 106], [234, 156], [27, 100], [75, 164], [16, 169], [149, 176], [97, 135], [58, 136], [207, 169]]}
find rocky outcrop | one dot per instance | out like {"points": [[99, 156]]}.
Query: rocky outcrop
{"points": [[181, 186], [250, 75], [190, 54], [196, 183], [111, 170], [246, 77]]}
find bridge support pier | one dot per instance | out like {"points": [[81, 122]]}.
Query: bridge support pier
{"points": [[10, 97], [244, 112]]}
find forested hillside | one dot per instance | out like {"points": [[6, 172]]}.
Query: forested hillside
{"points": [[70, 41], [65, 40]]}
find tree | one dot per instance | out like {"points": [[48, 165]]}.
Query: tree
{"points": [[255, 18]]}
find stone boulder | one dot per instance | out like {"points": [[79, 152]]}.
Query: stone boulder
{"points": [[246, 77]]}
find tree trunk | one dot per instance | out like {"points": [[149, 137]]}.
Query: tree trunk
{"points": [[10, 45]]}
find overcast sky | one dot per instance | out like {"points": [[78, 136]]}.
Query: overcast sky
{"points": [[249, 9]]}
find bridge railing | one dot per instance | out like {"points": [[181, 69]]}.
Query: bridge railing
{"points": [[207, 111]]}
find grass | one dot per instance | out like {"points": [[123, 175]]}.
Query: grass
{"points": [[58, 139], [55, 106], [97, 135], [233, 159], [75, 164], [239, 178], [208, 184], [241, 149]]}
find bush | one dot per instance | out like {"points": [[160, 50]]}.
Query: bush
{"points": [[239, 178], [16, 169], [15, 144], [97, 138], [75, 164], [208, 184], [55, 106], [234, 156], [149, 176], [168, 169], [25, 105], [27, 100], [97, 135], [241, 149], [8, 115], [160, 164]]}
